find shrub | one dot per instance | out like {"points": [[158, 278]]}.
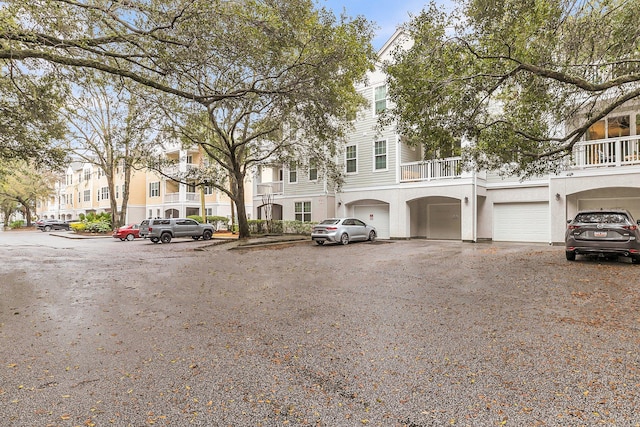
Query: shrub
{"points": [[218, 222], [78, 226], [195, 218], [16, 224]]}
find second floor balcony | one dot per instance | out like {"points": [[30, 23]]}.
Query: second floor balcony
{"points": [[607, 152], [175, 197], [429, 170], [275, 187]]}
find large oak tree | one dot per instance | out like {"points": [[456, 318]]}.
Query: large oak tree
{"points": [[259, 68], [523, 80]]}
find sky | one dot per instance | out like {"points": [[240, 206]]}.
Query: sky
{"points": [[387, 15]]}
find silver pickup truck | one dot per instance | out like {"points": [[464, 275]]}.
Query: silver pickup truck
{"points": [[163, 230]]}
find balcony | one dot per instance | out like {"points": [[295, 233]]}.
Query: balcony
{"points": [[175, 197], [431, 170], [607, 152], [269, 188]]}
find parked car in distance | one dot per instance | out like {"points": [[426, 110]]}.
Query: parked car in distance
{"points": [[52, 224], [607, 233], [342, 230], [163, 230], [127, 232]]}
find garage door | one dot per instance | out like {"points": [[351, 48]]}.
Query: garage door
{"points": [[443, 221], [521, 222], [376, 215], [632, 204]]}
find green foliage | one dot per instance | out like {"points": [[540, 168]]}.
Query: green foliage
{"points": [[17, 224], [520, 80], [195, 218], [218, 221], [93, 223], [31, 126], [260, 226]]}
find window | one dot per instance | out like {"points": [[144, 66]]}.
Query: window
{"points": [[380, 99], [313, 170], [104, 193], [208, 190], [380, 155], [351, 156], [293, 172], [154, 189], [303, 211], [87, 195], [611, 127], [191, 188], [87, 175], [117, 191]]}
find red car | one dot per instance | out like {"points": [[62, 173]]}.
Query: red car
{"points": [[127, 232]]}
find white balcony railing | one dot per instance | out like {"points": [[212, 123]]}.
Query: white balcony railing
{"points": [[431, 169], [175, 197], [269, 188], [607, 152]]}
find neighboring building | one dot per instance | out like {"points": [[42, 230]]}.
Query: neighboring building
{"points": [[406, 194], [169, 199], [83, 189]]}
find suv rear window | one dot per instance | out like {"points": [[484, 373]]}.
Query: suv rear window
{"points": [[602, 218]]}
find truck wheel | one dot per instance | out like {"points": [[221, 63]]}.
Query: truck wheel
{"points": [[195, 237], [165, 238], [154, 239], [206, 235]]}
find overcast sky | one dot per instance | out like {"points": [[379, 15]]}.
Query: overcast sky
{"points": [[388, 15]]}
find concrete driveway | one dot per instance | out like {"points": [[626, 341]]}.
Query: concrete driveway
{"points": [[407, 333]]}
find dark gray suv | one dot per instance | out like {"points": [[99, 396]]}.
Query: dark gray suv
{"points": [[607, 233]]}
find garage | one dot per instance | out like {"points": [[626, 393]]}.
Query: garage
{"points": [[376, 215], [521, 222], [632, 204], [443, 221]]}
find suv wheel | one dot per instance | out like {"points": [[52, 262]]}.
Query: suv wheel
{"points": [[635, 259], [47, 228], [206, 235], [571, 255], [165, 238]]}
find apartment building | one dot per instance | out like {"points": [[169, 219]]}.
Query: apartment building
{"points": [[83, 189], [406, 194]]}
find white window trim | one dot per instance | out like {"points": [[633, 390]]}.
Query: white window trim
{"points": [[303, 212], [386, 99], [346, 160], [289, 170], [386, 155]]}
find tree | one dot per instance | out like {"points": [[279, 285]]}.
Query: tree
{"points": [[267, 73], [113, 129], [30, 124], [522, 80], [23, 185]]}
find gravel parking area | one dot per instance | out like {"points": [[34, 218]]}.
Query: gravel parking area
{"points": [[406, 333]]}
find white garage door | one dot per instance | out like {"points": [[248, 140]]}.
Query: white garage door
{"points": [[521, 222], [632, 204], [376, 215]]}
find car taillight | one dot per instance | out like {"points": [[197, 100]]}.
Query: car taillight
{"points": [[150, 229], [332, 228], [631, 227], [573, 227]]}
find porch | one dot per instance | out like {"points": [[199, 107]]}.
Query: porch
{"points": [[606, 152]]}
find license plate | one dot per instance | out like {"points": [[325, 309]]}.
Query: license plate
{"points": [[599, 234]]}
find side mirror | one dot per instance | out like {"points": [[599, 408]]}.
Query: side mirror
{"points": [[569, 221]]}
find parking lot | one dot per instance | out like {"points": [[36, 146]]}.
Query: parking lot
{"points": [[393, 333]]}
